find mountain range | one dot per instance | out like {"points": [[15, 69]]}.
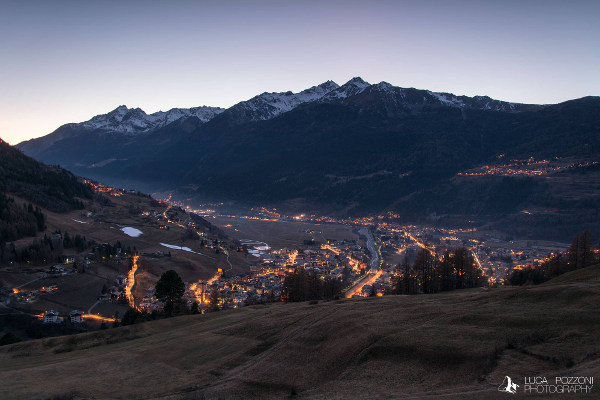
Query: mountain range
{"points": [[351, 149], [134, 121]]}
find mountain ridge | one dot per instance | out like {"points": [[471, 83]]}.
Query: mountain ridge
{"points": [[306, 150], [123, 120], [264, 106]]}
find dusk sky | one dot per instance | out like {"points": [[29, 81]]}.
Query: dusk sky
{"points": [[66, 61]]}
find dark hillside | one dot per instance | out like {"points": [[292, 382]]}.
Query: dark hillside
{"points": [[454, 346], [49, 187]]}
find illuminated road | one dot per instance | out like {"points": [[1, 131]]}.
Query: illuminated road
{"points": [[476, 260], [420, 244], [369, 279], [374, 270], [97, 317], [131, 282], [214, 278]]}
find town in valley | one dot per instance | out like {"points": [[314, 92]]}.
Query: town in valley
{"points": [[365, 263]]}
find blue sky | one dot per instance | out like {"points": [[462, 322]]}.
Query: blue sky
{"points": [[66, 61]]}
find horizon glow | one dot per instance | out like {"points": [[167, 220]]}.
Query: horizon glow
{"points": [[67, 61]]}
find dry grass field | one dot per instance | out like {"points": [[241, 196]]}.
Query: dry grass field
{"points": [[191, 266], [80, 291], [457, 345]]}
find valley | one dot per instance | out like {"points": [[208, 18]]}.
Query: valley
{"points": [[303, 200], [253, 255], [355, 150]]}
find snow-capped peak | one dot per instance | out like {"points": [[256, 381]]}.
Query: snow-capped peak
{"points": [[269, 105], [135, 120], [353, 86], [388, 89], [203, 113], [328, 86], [384, 85], [358, 81]]}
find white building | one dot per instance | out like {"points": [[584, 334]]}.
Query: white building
{"points": [[51, 317], [76, 316]]}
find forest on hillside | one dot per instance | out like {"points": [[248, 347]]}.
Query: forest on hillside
{"points": [[40, 185]]}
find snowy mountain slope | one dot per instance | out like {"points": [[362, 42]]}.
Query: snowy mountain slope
{"points": [[135, 120], [479, 102], [136, 124], [352, 87], [269, 105], [410, 97], [121, 120]]}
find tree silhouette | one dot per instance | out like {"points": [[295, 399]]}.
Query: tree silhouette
{"points": [[195, 309], [169, 288], [580, 254]]}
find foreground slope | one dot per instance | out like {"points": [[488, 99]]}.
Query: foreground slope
{"points": [[454, 345]]}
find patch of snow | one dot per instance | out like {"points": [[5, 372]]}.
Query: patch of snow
{"points": [[258, 248], [172, 246], [133, 232], [447, 99], [81, 222], [255, 253]]}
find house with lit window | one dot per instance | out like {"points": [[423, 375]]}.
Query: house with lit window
{"points": [[51, 317], [76, 316]]}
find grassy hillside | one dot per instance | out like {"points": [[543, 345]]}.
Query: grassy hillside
{"points": [[455, 345], [583, 275]]}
